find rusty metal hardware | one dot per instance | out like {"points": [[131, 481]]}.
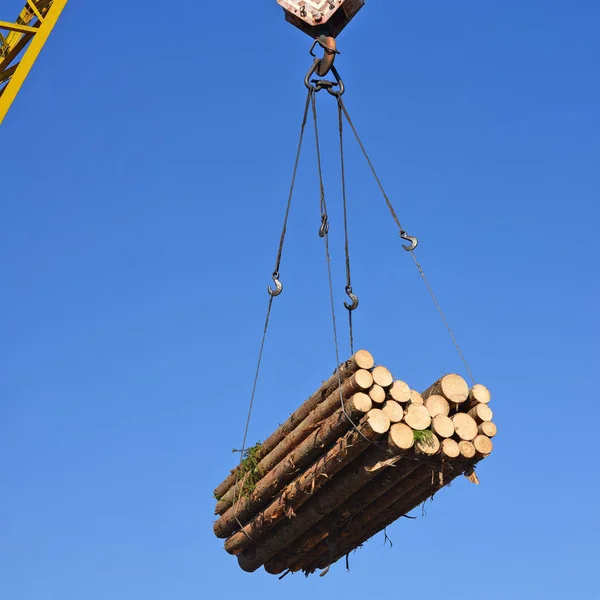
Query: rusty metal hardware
{"points": [[278, 286], [316, 85], [324, 229], [414, 242], [352, 297], [329, 46], [317, 17]]}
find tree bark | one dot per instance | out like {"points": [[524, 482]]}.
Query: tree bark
{"points": [[361, 380], [452, 387], [306, 485], [340, 517], [345, 485], [303, 455], [361, 360]]}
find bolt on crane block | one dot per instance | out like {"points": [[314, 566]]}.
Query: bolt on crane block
{"points": [[320, 17]]}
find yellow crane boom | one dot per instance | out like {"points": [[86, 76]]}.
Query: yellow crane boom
{"points": [[20, 44]]}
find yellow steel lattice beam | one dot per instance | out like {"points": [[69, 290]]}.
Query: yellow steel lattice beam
{"points": [[21, 42]]}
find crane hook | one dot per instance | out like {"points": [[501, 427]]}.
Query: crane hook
{"points": [[329, 45], [352, 297], [414, 242], [278, 286]]}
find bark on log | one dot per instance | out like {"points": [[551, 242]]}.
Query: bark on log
{"points": [[481, 413], [437, 405], [294, 495], [361, 360], [467, 450], [377, 394], [401, 438], [370, 514], [385, 518], [394, 411], [417, 417], [303, 455], [361, 380], [465, 425], [453, 387], [443, 426], [382, 377], [400, 392], [488, 429], [340, 517], [483, 445], [342, 487], [450, 448]]}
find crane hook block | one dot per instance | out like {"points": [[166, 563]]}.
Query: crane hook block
{"points": [[320, 17]]}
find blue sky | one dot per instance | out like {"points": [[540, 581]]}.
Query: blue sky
{"points": [[145, 170]]}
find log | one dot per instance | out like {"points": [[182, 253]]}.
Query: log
{"points": [[341, 516], [294, 495], [382, 377], [488, 429], [377, 394], [400, 392], [481, 413], [303, 455], [370, 514], [384, 518], [361, 360], [453, 387], [467, 450], [361, 380], [416, 398], [401, 438], [437, 405], [465, 425], [429, 444], [394, 411], [443, 426], [479, 394], [450, 448], [483, 445], [417, 417], [338, 490]]}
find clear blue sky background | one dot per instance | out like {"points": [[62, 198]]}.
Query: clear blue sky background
{"points": [[145, 168]]}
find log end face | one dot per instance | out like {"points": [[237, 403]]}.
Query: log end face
{"points": [[401, 437], [364, 360], [483, 445], [479, 393], [363, 380], [450, 448], [400, 391], [378, 421], [454, 388], [443, 426]]}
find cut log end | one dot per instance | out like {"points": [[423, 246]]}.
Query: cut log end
{"points": [[363, 380], [443, 426], [378, 421], [382, 377], [467, 450], [400, 392], [394, 411], [488, 428], [364, 360], [401, 437], [437, 405], [481, 413], [483, 445], [428, 444], [450, 448], [480, 394], [417, 416], [361, 403], [377, 394], [416, 398], [453, 387], [466, 427]]}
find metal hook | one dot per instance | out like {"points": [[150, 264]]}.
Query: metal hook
{"points": [[324, 229], [329, 45], [414, 242], [352, 297], [278, 286]]}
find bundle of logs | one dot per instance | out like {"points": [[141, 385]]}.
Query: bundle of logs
{"points": [[359, 454]]}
